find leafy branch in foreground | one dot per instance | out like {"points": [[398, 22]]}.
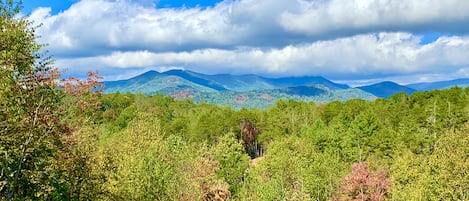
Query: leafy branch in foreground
{"points": [[36, 144]]}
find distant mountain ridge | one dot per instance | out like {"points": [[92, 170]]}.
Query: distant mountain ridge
{"points": [[196, 78], [153, 82], [219, 82], [386, 89], [241, 83], [252, 90], [424, 86]]}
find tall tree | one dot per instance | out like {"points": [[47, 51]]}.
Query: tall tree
{"points": [[31, 132]]}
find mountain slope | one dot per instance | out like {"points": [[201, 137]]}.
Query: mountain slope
{"points": [[195, 78], [305, 81], [153, 82], [240, 83], [224, 82], [139, 79], [268, 97], [236, 91], [250, 82], [386, 89], [424, 86]]}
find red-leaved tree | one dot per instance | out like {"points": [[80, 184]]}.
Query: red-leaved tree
{"points": [[364, 184]]}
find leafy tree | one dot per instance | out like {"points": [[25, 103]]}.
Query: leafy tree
{"points": [[208, 122], [411, 178], [292, 169], [330, 111], [364, 184], [82, 101], [137, 163], [140, 163], [443, 175], [31, 131], [114, 104], [233, 161]]}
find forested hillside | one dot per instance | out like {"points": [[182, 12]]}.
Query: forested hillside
{"points": [[65, 140], [411, 148], [236, 91], [253, 91]]}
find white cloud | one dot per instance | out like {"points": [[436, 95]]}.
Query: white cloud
{"points": [[336, 17], [95, 26], [335, 38], [364, 56]]}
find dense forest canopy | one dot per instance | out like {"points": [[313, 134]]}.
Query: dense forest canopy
{"points": [[64, 140]]}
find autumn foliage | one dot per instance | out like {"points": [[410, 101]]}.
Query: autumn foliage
{"points": [[364, 184]]}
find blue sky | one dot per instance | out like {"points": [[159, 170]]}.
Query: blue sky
{"points": [[354, 41], [57, 6], [62, 5]]}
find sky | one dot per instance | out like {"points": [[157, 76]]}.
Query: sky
{"points": [[349, 41]]}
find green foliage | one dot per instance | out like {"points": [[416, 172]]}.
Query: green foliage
{"points": [[229, 152], [443, 175], [114, 104], [138, 157], [268, 97], [31, 131], [140, 163], [125, 116], [308, 148], [287, 118], [292, 169], [81, 176]]}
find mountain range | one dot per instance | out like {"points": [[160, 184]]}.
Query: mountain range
{"points": [[425, 86], [256, 91]]}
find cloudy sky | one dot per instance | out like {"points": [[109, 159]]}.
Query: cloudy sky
{"points": [[352, 41]]}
